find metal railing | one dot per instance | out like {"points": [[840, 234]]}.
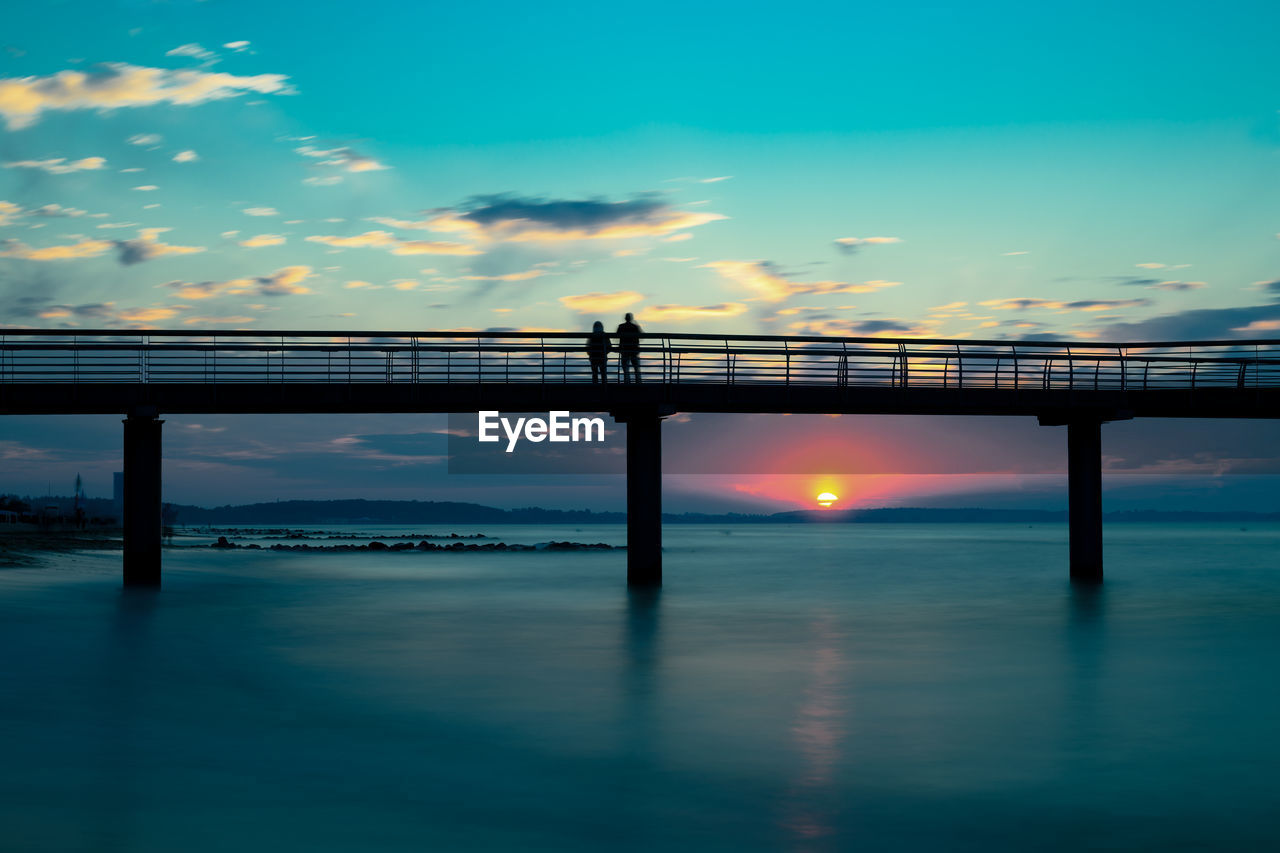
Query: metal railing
{"points": [[113, 356]]}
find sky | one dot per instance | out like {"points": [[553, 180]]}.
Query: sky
{"points": [[989, 170]]}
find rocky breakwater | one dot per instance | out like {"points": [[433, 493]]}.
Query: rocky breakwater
{"points": [[422, 546]]}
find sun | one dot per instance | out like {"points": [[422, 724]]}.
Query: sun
{"points": [[827, 499]]}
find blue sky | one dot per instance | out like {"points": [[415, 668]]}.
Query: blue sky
{"points": [[970, 170]]}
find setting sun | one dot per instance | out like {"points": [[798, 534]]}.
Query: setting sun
{"points": [[827, 499]]}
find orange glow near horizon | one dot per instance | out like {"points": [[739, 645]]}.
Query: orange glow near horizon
{"points": [[775, 492]]}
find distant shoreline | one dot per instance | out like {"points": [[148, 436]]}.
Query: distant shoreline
{"points": [[297, 513], [286, 513]]}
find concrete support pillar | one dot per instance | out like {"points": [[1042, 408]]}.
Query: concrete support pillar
{"points": [[142, 522], [1084, 476], [644, 497]]}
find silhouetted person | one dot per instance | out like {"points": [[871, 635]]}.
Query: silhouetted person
{"points": [[598, 347], [629, 347]]}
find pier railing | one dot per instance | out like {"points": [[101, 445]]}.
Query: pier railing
{"points": [[113, 356]]}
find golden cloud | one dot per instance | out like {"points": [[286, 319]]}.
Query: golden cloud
{"points": [[260, 240], [283, 282], [693, 312], [762, 278], [387, 240], [60, 165], [115, 85], [73, 251], [587, 303]]}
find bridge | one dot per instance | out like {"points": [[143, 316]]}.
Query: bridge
{"points": [[1079, 385]]}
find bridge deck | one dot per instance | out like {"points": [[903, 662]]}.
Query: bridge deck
{"points": [[110, 371]]}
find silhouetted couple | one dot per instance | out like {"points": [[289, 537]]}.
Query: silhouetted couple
{"points": [[628, 350]]}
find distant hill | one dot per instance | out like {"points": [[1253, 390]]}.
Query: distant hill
{"points": [[450, 512], [287, 513]]}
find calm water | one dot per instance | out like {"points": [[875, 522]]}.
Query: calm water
{"points": [[806, 688]]}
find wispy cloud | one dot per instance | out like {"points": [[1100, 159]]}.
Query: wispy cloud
{"points": [[72, 251], [387, 240], [889, 328], [1025, 302], [261, 240], [506, 218], [763, 279], [116, 85], [193, 51], [60, 165], [676, 313], [588, 303], [285, 281], [147, 246], [107, 314], [343, 157], [850, 245], [11, 212]]}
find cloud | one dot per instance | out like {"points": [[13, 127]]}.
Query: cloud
{"points": [[515, 219], [345, 158], [115, 85], [144, 247], [861, 328], [237, 46], [850, 245], [658, 313], [194, 51], [145, 139], [261, 211], [57, 210], [285, 281], [60, 165], [587, 303], [1157, 284], [237, 320], [769, 285], [10, 212], [187, 156], [74, 251], [1256, 326], [387, 240], [106, 314], [1178, 285], [356, 285], [1199, 324], [367, 240], [433, 247], [147, 247], [146, 188], [261, 240], [1024, 303]]}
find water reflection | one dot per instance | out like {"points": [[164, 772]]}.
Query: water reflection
{"points": [[121, 699], [1086, 640], [819, 731]]}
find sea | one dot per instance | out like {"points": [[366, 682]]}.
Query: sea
{"points": [[819, 687]]}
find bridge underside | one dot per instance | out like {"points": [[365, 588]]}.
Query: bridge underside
{"points": [[641, 408], [1057, 405]]}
